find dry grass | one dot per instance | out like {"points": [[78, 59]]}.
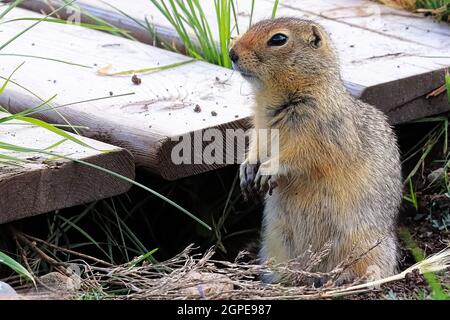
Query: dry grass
{"points": [[199, 276], [406, 4], [439, 9]]}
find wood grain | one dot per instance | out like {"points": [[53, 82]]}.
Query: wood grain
{"points": [[146, 120], [41, 185], [391, 56], [388, 67]]}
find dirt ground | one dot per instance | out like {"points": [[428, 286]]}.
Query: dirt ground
{"points": [[428, 238]]}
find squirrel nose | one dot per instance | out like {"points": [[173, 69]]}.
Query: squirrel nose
{"points": [[234, 56]]}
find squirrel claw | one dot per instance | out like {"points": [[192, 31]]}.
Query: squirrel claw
{"points": [[247, 175], [265, 183], [272, 185]]}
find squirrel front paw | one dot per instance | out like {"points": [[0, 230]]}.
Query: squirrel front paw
{"points": [[264, 183], [247, 175], [256, 179]]}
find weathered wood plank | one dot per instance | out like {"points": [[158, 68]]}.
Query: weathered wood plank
{"points": [[385, 52], [377, 18], [160, 108], [40, 186], [386, 71]]}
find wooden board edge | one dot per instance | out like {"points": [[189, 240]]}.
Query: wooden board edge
{"points": [[170, 37], [166, 35], [55, 187], [424, 83], [419, 108], [171, 171]]}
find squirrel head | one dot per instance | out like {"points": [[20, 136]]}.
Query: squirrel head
{"points": [[285, 54]]}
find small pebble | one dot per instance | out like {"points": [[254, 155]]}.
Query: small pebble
{"points": [[436, 175], [136, 80], [6, 290], [197, 109], [213, 113]]}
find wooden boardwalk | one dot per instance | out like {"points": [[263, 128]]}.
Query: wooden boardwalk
{"points": [[142, 118], [390, 58], [40, 186]]}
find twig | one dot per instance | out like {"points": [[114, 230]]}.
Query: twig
{"points": [[42, 254], [81, 255]]}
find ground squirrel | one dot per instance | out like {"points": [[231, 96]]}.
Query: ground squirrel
{"points": [[339, 177]]}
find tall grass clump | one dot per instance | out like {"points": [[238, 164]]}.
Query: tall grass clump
{"points": [[437, 291], [435, 139], [438, 8], [189, 20]]}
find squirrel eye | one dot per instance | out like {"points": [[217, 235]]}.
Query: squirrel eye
{"points": [[277, 40]]}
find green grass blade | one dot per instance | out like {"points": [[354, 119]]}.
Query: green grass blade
{"points": [[33, 25], [223, 15], [447, 84], [54, 129], [274, 10], [2, 89], [9, 158], [56, 144], [32, 125], [25, 112], [413, 198], [235, 16], [437, 292], [150, 70], [23, 88], [100, 21], [61, 21], [119, 225], [11, 6], [147, 256], [84, 234], [252, 11], [65, 227], [8, 146], [44, 58], [14, 265], [78, 102], [11, 164], [188, 17], [139, 23]]}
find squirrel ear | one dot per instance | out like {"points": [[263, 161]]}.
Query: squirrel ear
{"points": [[316, 38]]}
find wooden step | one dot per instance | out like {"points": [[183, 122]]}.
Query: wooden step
{"points": [[141, 118], [390, 69], [390, 58], [41, 184]]}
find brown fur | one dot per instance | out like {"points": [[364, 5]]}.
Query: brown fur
{"points": [[339, 177]]}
